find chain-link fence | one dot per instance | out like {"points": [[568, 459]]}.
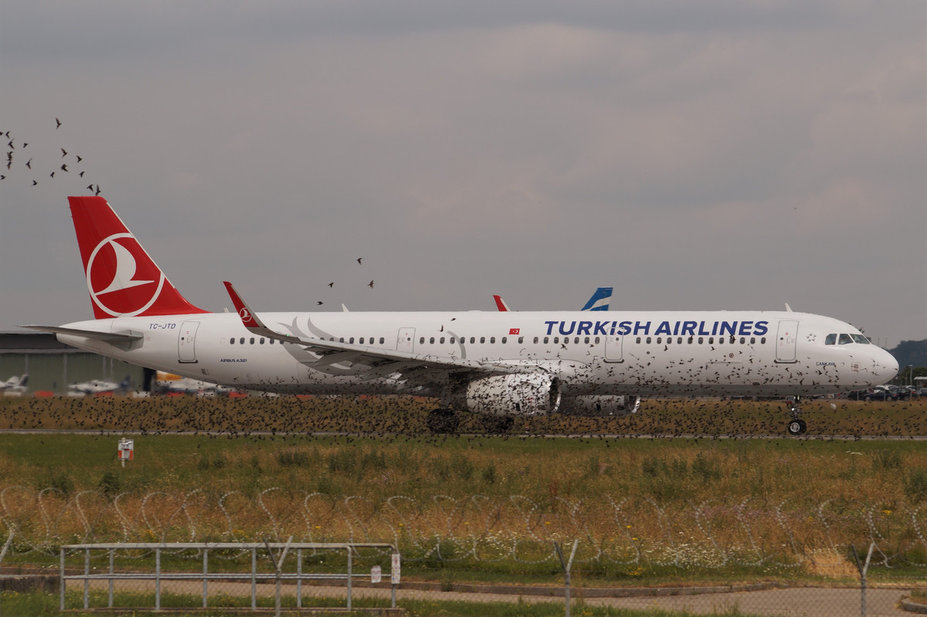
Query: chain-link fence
{"points": [[629, 550]]}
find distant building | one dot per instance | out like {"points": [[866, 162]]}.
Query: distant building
{"points": [[51, 365]]}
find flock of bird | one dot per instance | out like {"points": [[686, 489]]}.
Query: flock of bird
{"points": [[19, 154], [398, 417], [331, 284]]}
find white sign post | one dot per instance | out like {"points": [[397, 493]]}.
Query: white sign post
{"points": [[126, 450]]}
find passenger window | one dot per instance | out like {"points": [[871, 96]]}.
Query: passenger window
{"points": [[482, 339], [431, 340], [421, 340], [763, 340], [521, 340], [252, 340], [441, 340], [241, 341], [546, 340], [596, 340], [691, 338], [361, 341], [232, 341], [648, 340], [586, 340], [556, 340], [492, 339], [845, 339], [261, 341], [381, 340], [752, 340], [505, 339], [472, 339]]}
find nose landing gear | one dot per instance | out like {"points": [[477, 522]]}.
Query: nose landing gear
{"points": [[796, 425]]}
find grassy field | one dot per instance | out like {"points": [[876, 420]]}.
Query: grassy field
{"points": [[481, 508]]}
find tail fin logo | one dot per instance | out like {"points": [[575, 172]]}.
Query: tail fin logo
{"points": [[121, 278]]}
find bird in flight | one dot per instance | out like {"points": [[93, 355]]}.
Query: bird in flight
{"points": [[370, 284], [360, 259], [57, 123]]}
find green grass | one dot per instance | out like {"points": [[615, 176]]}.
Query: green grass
{"points": [[477, 508]]}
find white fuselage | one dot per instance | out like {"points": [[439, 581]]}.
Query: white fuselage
{"points": [[646, 353]]}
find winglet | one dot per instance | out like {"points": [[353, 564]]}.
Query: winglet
{"points": [[248, 318], [500, 303]]}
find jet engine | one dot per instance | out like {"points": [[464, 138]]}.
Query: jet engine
{"points": [[515, 394], [615, 405]]}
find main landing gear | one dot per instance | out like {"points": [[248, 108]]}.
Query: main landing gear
{"points": [[446, 422], [796, 425], [442, 421]]}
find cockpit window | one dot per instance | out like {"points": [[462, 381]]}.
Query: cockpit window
{"points": [[830, 339], [859, 338], [845, 339]]}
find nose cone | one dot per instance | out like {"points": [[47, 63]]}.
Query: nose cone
{"points": [[884, 366]]}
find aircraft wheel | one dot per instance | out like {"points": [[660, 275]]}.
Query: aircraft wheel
{"points": [[797, 427], [442, 421]]}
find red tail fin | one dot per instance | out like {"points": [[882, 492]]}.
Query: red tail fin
{"points": [[122, 279]]}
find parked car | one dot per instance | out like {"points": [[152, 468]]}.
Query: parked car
{"points": [[878, 393]]}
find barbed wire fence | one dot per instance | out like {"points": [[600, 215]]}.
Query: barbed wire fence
{"points": [[619, 538], [619, 530]]}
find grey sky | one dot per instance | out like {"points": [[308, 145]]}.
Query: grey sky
{"points": [[694, 155]]}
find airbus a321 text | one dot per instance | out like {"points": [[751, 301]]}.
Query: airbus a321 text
{"points": [[495, 363]]}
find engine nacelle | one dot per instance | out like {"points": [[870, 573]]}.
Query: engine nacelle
{"points": [[616, 405], [515, 394]]}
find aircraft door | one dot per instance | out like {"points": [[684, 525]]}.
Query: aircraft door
{"points": [[405, 340], [786, 341], [186, 342], [614, 348]]}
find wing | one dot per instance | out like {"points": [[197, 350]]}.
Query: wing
{"points": [[370, 362]]}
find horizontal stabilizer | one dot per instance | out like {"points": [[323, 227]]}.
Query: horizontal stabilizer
{"points": [[106, 337]]}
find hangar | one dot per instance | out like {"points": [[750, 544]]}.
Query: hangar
{"points": [[51, 365]]}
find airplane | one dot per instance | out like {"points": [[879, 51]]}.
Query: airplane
{"points": [[498, 364], [14, 386], [175, 384], [97, 386], [598, 301]]}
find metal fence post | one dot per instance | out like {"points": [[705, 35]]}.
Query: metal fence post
{"points": [[61, 583], [109, 603], [86, 580], [205, 572], [157, 579], [299, 579], [862, 576], [253, 578], [350, 576], [566, 571]]}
